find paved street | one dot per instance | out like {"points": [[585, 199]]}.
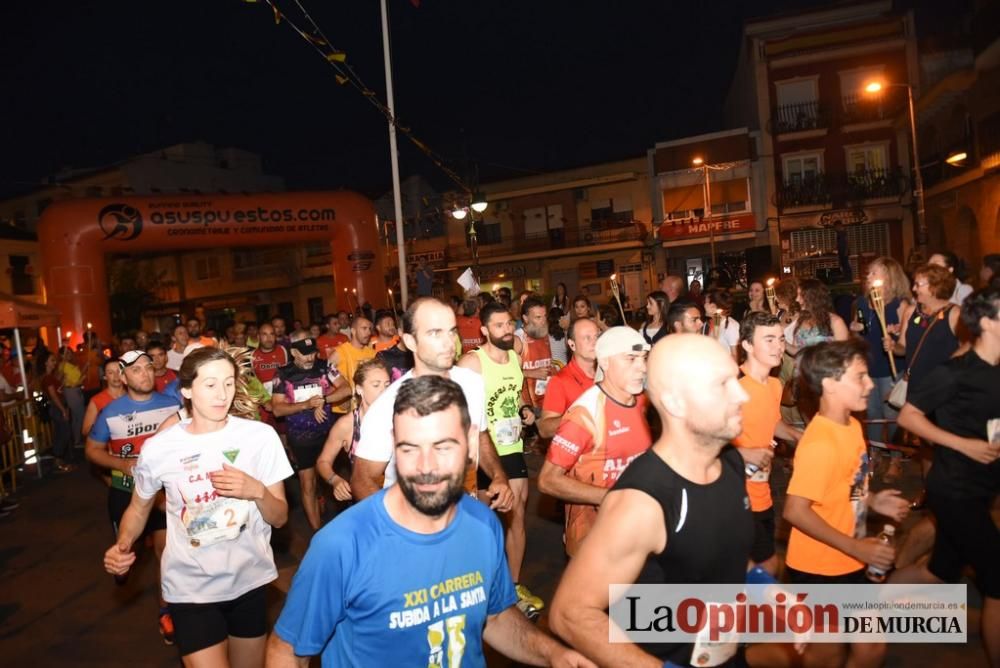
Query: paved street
{"points": [[58, 607]]}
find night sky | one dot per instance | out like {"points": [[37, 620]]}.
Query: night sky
{"points": [[514, 86]]}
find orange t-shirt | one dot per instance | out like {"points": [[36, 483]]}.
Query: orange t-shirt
{"points": [[761, 414], [596, 441], [470, 333], [536, 354], [379, 346], [831, 469]]}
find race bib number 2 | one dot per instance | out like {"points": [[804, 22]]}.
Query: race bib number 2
{"points": [[216, 521]]}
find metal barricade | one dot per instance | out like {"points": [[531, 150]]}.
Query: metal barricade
{"points": [[30, 438]]}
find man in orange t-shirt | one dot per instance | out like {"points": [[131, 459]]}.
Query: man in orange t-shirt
{"points": [[601, 433], [762, 340], [828, 494]]}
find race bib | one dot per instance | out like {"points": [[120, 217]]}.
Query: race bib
{"points": [[762, 475], [708, 653], [301, 394], [507, 430], [540, 386], [216, 521]]}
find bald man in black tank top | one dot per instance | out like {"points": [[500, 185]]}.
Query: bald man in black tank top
{"points": [[682, 505]]}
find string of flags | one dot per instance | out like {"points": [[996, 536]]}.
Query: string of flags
{"points": [[345, 74]]}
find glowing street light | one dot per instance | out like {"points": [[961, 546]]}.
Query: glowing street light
{"points": [[875, 87], [956, 159]]}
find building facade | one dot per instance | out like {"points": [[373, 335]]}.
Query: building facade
{"points": [[576, 227], [958, 118], [728, 242], [838, 178]]}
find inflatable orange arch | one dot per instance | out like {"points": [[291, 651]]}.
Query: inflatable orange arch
{"points": [[74, 236]]}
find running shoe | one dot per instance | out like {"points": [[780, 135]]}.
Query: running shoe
{"points": [[524, 594], [166, 626]]}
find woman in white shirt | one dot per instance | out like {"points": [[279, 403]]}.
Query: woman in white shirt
{"points": [[223, 477]]}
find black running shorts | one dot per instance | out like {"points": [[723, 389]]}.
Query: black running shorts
{"points": [[201, 625]]}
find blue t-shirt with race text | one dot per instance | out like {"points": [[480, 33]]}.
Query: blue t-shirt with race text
{"points": [[372, 593]]}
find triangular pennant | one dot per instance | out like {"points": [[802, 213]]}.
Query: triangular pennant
{"points": [[231, 455]]}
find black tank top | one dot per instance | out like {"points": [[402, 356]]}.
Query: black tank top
{"points": [[709, 529], [938, 347]]}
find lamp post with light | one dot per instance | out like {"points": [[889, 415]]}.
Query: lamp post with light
{"points": [[477, 205], [874, 88]]}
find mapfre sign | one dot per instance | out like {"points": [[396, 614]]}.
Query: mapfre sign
{"points": [[690, 228]]}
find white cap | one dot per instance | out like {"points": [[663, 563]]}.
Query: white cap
{"points": [[618, 341]]}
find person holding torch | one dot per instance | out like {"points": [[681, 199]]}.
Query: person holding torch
{"points": [[878, 314]]}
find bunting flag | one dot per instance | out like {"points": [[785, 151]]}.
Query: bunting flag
{"points": [[277, 13], [337, 57], [341, 79]]}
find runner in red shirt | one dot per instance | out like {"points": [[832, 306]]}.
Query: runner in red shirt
{"points": [[572, 380], [268, 357], [600, 434], [162, 376], [331, 338], [536, 356], [469, 326]]}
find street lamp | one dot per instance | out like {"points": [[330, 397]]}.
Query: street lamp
{"points": [[478, 204], [956, 159], [874, 88]]}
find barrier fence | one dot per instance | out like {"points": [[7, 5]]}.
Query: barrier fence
{"points": [[28, 437]]}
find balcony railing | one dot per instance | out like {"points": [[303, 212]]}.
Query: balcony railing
{"points": [[869, 107], [799, 117], [812, 191], [823, 189], [875, 183], [554, 239]]}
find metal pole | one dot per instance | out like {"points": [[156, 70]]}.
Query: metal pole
{"points": [[394, 157], [474, 242], [20, 363], [918, 179], [708, 213]]}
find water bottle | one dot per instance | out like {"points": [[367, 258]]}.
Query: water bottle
{"points": [[874, 573], [862, 321]]}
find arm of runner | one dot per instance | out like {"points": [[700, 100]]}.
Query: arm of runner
{"points": [[342, 391], [470, 360], [489, 462], [336, 441], [758, 456], [800, 514], [97, 453], [511, 634], [787, 432], [89, 417], [119, 557], [548, 423], [283, 407], [367, 477], [913, 420], [629, 527], [538, 374], [552, 480], [237, 484], [168, 423], [281, 655]]}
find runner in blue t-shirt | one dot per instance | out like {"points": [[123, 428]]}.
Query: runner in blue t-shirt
{"points": [[415, 574], [114, 443]]}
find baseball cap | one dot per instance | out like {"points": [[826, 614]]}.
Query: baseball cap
{"points": [[131, 357], [304, 346], [618, 341]]}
